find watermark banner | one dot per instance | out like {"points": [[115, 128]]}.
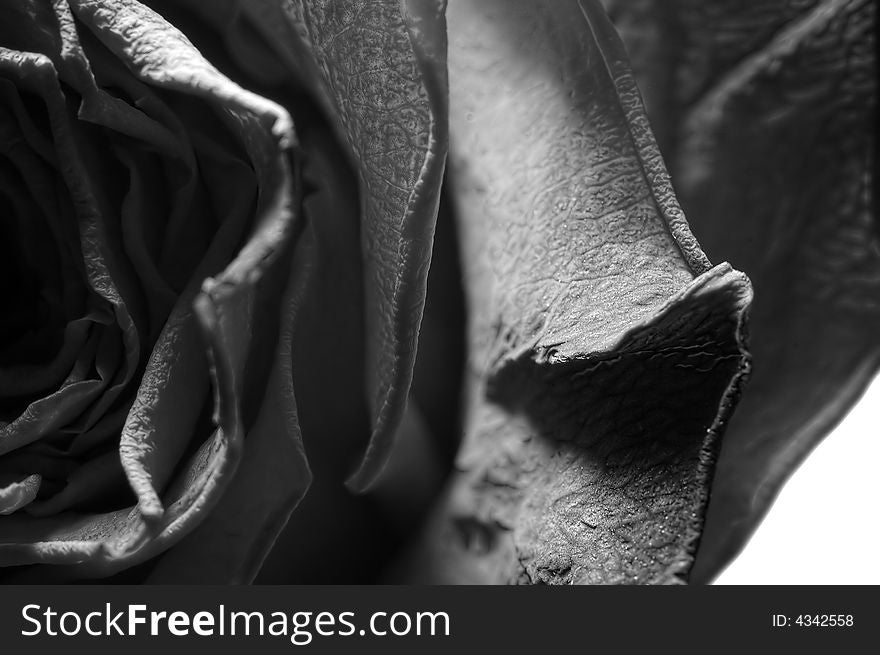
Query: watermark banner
{"points": [[388, 619]]}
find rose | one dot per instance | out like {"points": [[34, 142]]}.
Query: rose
{"points": [[382, 89], [605, 352], [147, 374]]}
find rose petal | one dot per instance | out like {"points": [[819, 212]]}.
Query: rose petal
{"points": [[231, 544], [328, 370], [379, 72], [771, 148], [175, 383], [605, 354]]}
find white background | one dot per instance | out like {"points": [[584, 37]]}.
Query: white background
{"points": [[823, 527]]}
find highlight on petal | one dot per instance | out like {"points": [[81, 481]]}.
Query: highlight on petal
{"points": [[606, 353], [17, 493]]}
